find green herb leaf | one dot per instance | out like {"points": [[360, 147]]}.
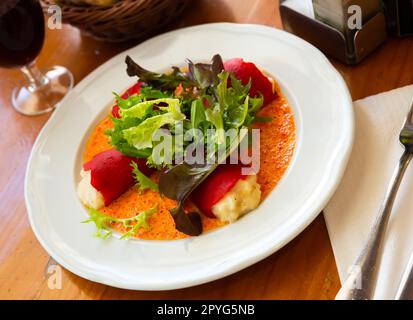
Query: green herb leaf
{"points": [[235, 116], [215, 117], [133, 224], [149, 93], [198, 120], [100, 220], [137, 222], [143, 182], [197, 114], [128, 102], [238, 109]]}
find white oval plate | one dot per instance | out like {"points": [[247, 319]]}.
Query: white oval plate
{"points": [[324, 118]]}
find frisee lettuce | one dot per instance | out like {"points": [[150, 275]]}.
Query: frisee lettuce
{"points": [[238, 108], [149, 93], [129, 102], [143, 182], [134, 223], [140, 136], [118, 140]]}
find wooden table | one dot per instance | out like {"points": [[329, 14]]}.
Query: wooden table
{"points": [[304, 269]]}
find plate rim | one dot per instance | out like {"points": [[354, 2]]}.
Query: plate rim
{"points": [[331, 185]]}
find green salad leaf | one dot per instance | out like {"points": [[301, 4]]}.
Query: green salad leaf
{"points": [[141, 110], [197, 114], [214, 116], [128, 102], [140, 136], [134, 223], [149, 93], [118, 140], [238, 108], [143, 182]]}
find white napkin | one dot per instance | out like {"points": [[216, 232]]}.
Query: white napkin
{"points": [[302, 6], [353, 208]]}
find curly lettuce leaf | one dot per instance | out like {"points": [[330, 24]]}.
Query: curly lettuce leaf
{"points": [[236, 115], [233, 100], [134, 223], [140, 136], [143, 182], [119, 142], [129, 102], [238, 108], [149, 93]]}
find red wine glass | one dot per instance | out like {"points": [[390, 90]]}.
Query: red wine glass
{"points": [[22, 31]]}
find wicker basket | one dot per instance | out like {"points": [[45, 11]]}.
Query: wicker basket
{"points": [[125, 20]]}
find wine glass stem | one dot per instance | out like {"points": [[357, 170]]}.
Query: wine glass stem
{"points": [[33, 75]]}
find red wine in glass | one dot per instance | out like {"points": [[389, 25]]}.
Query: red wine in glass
{"points": [[22, 31]]}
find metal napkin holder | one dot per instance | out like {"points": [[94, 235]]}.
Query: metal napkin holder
{"points": [[332, 41]]}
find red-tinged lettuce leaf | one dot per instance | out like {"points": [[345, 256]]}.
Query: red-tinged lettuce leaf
{"points": [[155, 80], [206, 75], [177, 183]]}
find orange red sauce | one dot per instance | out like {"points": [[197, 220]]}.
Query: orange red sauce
{"points": [[277, 148]]}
